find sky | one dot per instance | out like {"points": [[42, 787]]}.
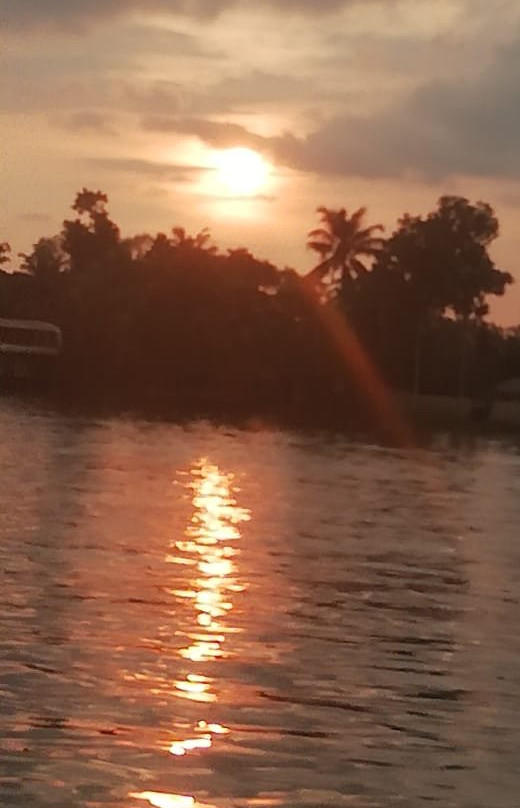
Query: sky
{"points": [[383, 103]]}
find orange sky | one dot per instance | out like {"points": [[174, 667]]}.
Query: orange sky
{"points": [[383, 103]]}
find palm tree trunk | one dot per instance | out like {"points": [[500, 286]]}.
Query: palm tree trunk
{"points": [[417, 360], [462, 359]]}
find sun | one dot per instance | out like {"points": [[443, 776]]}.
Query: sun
{"points": [[242, 171]]}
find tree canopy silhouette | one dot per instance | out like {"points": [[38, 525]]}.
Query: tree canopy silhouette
{"points": [[5, 252], [169, 316], [46, 260], [443, 259], [92, 239]]}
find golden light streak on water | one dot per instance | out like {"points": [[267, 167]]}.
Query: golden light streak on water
{"points": [[214, 523], [217, 729], [180, 748], [209, 597]]}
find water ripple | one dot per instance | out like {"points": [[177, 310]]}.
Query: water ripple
{"points": [[199, 617]]}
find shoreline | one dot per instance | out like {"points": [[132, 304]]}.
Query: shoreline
{"points": [[416, 415]]}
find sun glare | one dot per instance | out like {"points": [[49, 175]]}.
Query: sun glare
{"points": [[241, 171]]}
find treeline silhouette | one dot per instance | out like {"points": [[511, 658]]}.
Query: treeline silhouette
{"points": [[169, 319]]}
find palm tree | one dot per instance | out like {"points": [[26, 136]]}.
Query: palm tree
{"points": [[343, 244]]}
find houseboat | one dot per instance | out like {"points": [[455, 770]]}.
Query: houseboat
{"points": [[29, 349]]}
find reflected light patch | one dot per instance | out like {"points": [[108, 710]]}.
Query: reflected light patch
{"points": [[192, 687], [202, 652], [216, 567], [180, 748], [217, 729], [195, 690]]}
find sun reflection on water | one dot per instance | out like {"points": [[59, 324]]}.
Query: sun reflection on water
{"points": [[209, 548]]}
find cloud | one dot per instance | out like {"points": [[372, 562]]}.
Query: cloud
{"points": [[85, 95], [368, 124], [212, 132], [104, 70], [253, 88], [172, 172], [286, 148], [442, 128], [89, 121], [63, 14]]}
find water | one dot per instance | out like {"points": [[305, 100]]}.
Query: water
{"points": [[202, 616]]}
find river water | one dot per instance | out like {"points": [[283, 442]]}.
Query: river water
{"points": [[201, 616]]}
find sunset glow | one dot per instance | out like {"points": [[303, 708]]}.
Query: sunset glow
{"points": [[256, 104], [242, 172]]}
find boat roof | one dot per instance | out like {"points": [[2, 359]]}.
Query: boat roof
{"points": [[32, 325]]}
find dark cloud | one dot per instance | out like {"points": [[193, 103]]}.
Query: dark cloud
{"points": [[212, 132], [286, 148], [443, 128], [27, 14]]}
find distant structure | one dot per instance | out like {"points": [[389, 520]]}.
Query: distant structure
{"points": [[505, 410], [28, 349]]}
